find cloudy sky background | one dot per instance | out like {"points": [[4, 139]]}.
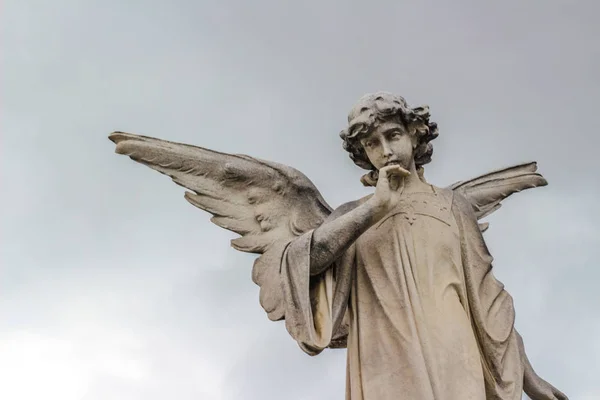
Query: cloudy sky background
{"points": [[113, 287]]}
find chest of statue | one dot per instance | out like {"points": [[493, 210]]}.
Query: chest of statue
{"points": [[427, 215]]}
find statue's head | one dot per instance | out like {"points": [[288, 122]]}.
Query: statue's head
{"points": [[383, 129]]}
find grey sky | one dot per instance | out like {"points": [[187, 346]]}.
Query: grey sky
{"points": [[113, 287]]}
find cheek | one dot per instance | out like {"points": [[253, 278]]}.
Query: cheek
{"points": [[403, 146], [374, 154]]}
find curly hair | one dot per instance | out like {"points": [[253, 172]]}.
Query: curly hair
{"points": [[374, 109]]}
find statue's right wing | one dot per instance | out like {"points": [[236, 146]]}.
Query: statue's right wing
{"points": [[268, 204]]}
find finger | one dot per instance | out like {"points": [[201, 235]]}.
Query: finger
{"points": [[397, 171], [392, 168], [391, 177], [383, 176], [383, 172], [560, 395], [394, 176]]}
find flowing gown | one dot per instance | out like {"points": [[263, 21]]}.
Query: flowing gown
{"points": [[424, 316]]}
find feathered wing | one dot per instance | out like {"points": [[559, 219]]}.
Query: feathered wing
{"points": [[486, 192], [268, 204]]}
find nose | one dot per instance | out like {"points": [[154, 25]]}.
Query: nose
{"points": [[387, 150]]}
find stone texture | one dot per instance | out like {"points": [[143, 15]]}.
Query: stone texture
{"points": [[401, 278]]}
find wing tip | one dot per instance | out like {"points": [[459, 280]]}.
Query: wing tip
{"points": [[128, 143], [117, 136], [538, 180], [533, 169]]}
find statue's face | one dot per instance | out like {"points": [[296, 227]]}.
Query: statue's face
{"points": [[389, 144]]}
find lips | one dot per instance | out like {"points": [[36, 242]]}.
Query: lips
{"points": [[392, 162]]}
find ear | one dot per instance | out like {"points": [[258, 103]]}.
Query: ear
{"points": [[412, 129], [415, 141]]}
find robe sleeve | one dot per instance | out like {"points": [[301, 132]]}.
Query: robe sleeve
{"points": [[491, 310], [314, 305]]}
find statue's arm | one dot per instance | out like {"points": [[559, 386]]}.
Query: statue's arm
{"points": [[533, 385], [336, 235], [528, 372], [338, 232]]}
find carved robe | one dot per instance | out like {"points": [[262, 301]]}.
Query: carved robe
{"points": [[415, 302]]}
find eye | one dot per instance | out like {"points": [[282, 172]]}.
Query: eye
{"points": [[395, 134]]}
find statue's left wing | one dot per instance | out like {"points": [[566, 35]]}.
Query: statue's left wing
{"points": [[486, 192], [268, 204]]}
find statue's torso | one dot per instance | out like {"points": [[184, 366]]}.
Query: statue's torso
{"points": [[409, 321]]}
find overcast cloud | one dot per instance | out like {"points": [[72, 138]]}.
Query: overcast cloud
{"points": [[113, 287]]}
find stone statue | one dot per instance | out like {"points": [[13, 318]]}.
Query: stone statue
{"points": [[401, 278]]}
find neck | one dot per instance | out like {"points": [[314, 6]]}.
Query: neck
{"points": [[413, 183]]}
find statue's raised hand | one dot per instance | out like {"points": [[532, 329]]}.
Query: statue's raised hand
{"points": [[390, 185]]}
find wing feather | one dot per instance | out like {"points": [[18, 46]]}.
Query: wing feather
{"points": [[486, 192], [268, 204]]}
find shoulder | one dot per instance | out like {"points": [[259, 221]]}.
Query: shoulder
{"points": [[461, 204], [447, 194], [455, 197]]}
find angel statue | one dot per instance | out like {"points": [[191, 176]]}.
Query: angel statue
{"points": [[402, 278]]}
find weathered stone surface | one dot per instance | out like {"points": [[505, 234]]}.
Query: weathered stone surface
{"points": [[402, 278]]}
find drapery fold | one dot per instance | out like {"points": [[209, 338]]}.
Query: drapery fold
{"points": [[317, 314]]}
